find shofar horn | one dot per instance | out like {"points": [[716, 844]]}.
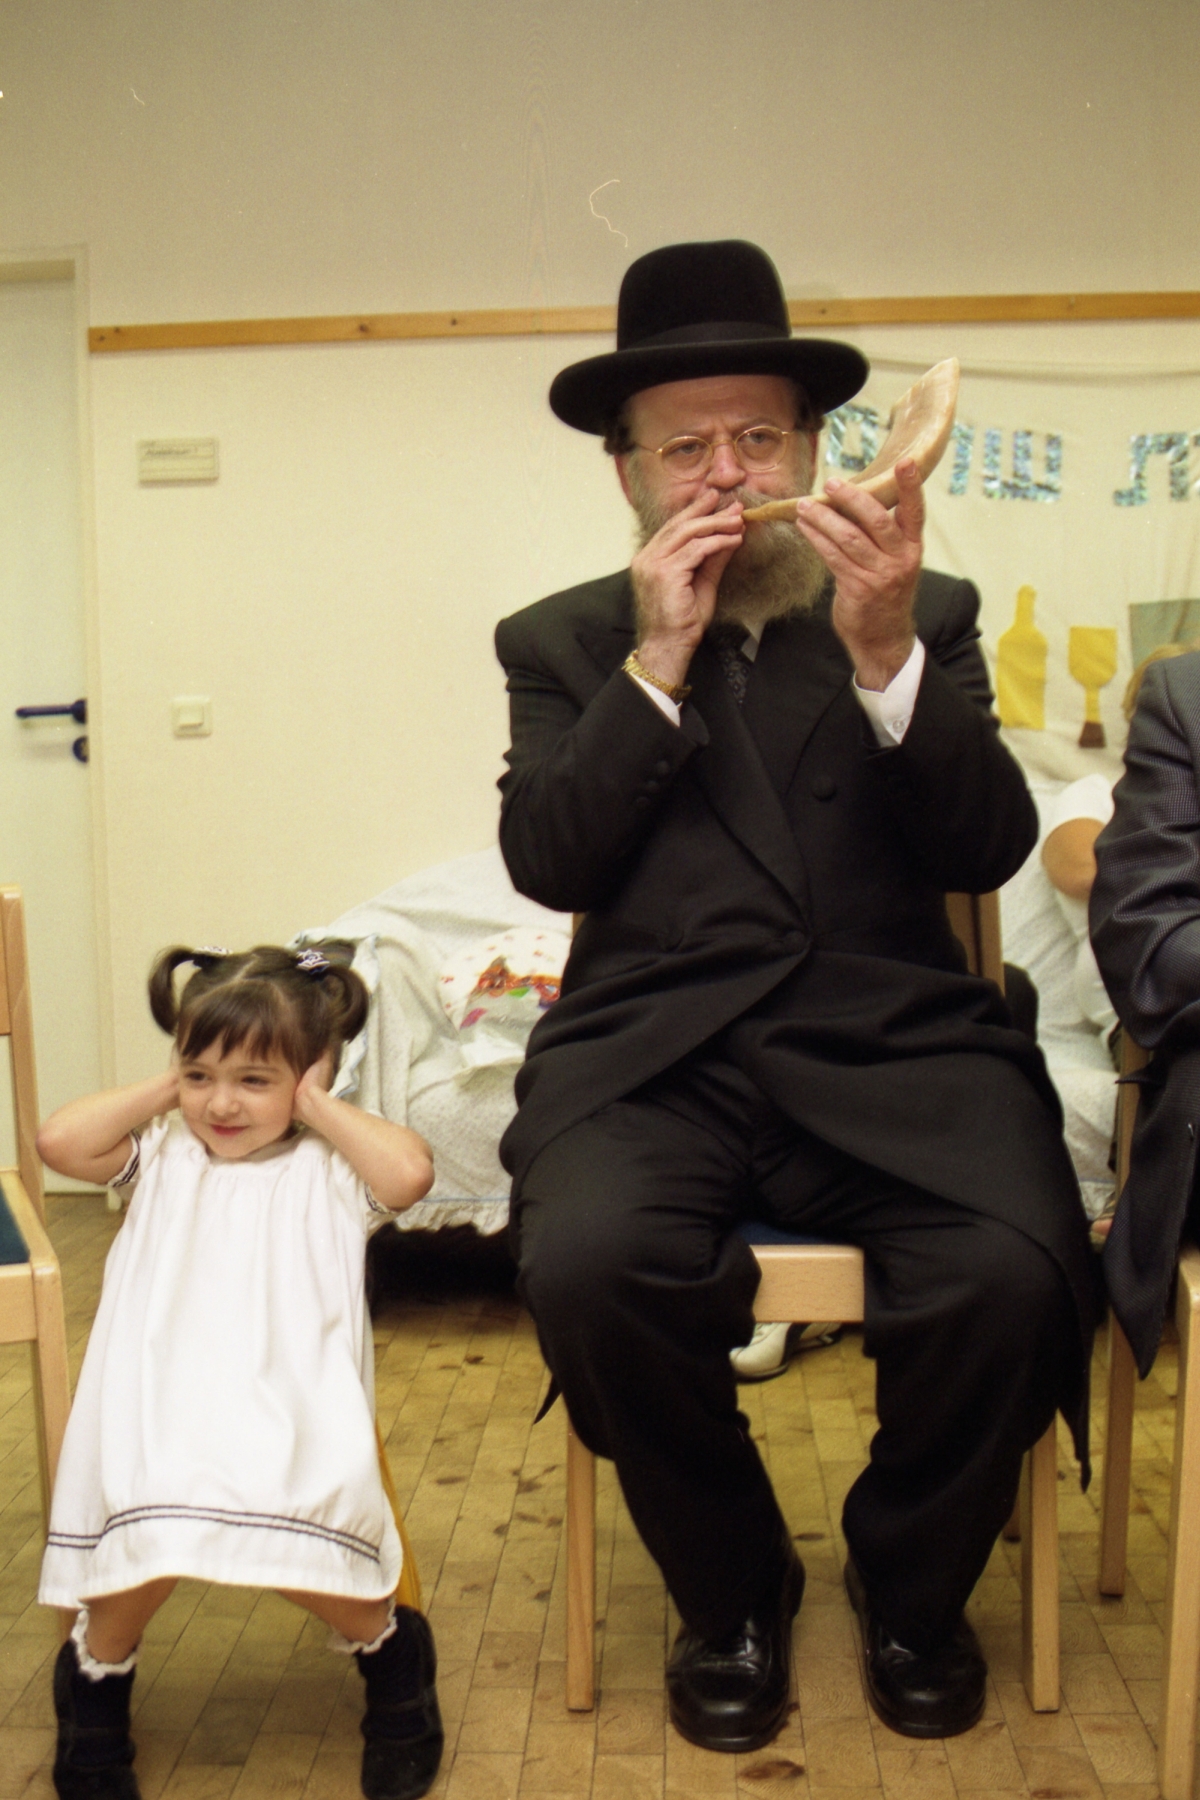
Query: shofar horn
{"points": [[920, 427]]}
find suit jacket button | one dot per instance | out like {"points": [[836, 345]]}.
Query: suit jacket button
{"points": [[824, 787], [793, 942], [652, 787], [641, 801], [662, 770]]}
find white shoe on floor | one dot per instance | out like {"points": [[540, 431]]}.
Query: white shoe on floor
{"points": [[773, 1346]]}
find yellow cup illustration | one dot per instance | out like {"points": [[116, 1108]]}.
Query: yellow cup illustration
{"points": [[1092, 660]]}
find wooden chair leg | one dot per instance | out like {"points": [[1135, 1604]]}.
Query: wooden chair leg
{"points": [[51, 1384], [51, 1388], [52, 1403], [1181, 1655], [1118, 1459], [1039, 1573], [581, 1574]]}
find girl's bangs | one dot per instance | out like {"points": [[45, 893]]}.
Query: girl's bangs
{"points": [[252, 1014]]}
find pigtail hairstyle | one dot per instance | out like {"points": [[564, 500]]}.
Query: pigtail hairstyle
{"points": [[298, 1004], [164, 1004], [346, 998]]}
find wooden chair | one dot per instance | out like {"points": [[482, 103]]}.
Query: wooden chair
{"points": [[1122, 1373], [1181, 1636], [803, 1281], [31, 1304]]}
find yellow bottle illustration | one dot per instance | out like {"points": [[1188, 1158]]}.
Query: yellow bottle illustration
{"points": [[1092, 660], [1021, 669]]}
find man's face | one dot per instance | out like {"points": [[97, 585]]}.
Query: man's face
{"points": [[718, 408], [775, 571]]}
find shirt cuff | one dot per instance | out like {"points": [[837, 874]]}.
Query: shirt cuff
{"points": [[129, 1173], [664, 702], [891, 711]]}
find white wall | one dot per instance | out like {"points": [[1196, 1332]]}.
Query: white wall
{"points": [[380, 506], [335, 592], [227, 157]]}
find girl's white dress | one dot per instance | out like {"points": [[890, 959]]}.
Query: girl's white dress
{"points": [[224, 1422]]}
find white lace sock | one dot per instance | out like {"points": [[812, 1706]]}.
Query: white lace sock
{"points": [[88, 1664], [345, 1647]]}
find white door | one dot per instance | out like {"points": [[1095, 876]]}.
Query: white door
{"points": [[45, 820]]}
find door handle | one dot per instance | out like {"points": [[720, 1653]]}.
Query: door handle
{"points": [[74, 709]]}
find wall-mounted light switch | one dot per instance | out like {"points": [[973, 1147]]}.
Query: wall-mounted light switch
{"points": [[191, 715]]}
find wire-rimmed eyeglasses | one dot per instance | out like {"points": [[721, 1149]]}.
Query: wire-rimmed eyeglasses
{"points": [[758, 449]]}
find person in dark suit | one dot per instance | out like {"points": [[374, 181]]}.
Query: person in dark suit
{"points": [[756, 760], [1144, 918]]}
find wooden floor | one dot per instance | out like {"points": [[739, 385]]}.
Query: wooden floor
{"points": [[236, 1694]]}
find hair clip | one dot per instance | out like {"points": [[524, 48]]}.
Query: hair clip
{"points": [[312, 962], [211, 950]]}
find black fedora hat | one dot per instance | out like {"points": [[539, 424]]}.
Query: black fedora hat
{"points": [[689, 310]]}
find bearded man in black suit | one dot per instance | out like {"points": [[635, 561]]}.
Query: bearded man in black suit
{"points": [[756, 760]]}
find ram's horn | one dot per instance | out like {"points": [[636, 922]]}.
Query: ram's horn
{"points": [[920, 427]]}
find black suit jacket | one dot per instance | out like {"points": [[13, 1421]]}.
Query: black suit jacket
{"points": [[771, 870], [1145, 925]]}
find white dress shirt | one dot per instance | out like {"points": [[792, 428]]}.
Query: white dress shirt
{"points": [[890, 712]]}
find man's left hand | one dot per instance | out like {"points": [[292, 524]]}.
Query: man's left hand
{"points": [[874, 557]]}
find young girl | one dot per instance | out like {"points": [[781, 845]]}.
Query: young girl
{"points": [[223, 1426]]}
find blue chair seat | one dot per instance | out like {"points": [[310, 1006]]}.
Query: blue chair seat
{"points": [[755, 1232], [12, 1244]]}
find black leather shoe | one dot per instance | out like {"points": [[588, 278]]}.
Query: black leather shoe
{"points": [[732, 1693], [402, 1726], [939, 1695]]}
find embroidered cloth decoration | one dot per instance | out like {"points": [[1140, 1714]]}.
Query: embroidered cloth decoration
{"points": [[496, 991]]}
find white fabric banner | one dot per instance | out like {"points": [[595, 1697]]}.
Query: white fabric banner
{"points": [[1071, 498]]}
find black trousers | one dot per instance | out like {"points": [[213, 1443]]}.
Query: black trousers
{"points": [[640, 1287]]}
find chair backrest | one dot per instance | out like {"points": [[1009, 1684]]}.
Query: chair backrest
{"points": [[975, 922], [1133, 1058], [16, 1023]]}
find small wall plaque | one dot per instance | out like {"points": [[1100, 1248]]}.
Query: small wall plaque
{"points": [[162, 460]]}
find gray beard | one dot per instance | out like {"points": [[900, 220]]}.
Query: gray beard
{"points": [[774, 574]]}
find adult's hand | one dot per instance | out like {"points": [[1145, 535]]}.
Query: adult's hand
{"points": [[675, 580], [874, 557]]}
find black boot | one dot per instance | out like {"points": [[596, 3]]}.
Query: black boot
{"points": [[95, 1750], [402, 1727]]}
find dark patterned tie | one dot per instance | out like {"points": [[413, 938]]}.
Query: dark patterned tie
{"points": [[735, 665]]}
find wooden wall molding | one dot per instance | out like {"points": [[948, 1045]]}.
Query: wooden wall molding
{"points": [[355, 328], [566, 321]]}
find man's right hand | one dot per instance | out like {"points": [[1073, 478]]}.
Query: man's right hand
{"points": [[675, 581]]}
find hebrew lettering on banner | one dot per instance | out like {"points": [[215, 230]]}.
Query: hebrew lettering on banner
{"points": [[1072, 502]]}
